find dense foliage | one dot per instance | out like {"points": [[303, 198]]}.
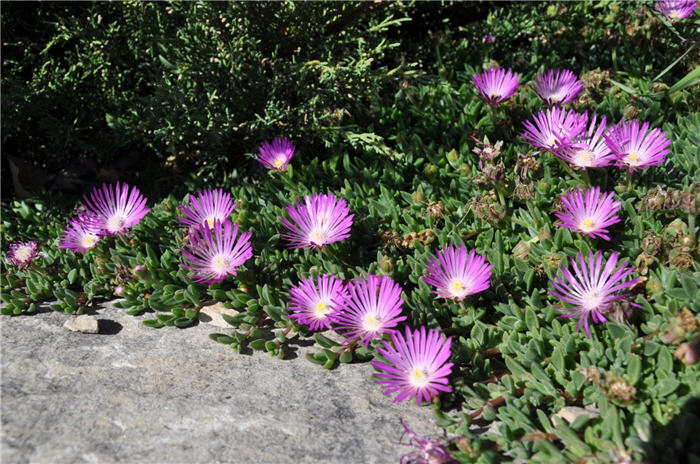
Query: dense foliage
{"points": [[380, 102]]}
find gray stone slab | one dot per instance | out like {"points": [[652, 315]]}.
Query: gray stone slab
{"points": [[141, 395]]}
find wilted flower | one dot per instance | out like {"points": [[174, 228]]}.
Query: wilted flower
{"points": [[82, 233], [320, 220], [314, 302], [214, 253], [118, 290], [554, 128], [589, 149], [373, 308], [20, 254], [205, 208], [635, 148], [591, 287], [496, 84], [558, 87], [456, 275], [676, 9], [588, 212], [416, 365], [427, 451], [117, 207], [276, 155]]}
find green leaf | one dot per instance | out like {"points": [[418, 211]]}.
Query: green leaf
{"points": [[634, 369], [665, 387], [692, 78], [325, 342]]}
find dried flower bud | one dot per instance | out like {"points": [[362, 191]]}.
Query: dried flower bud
{"points": [[621, 311], [389, 238], [654, 286], [495, 172], [545, 233], [521, 250], [618, 388], [678, 325], [436, 209], [676, 227]]}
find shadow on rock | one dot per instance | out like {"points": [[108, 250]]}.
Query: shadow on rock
{"points": [[109, 327]]}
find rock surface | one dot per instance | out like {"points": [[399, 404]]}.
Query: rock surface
{"points": [[83, 323], [139, 395]]}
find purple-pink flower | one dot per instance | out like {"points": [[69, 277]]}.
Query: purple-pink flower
{"points": [[558, 87], [417, 365], [205, 208], [82, 233], [488, 38], [20, 254], [315, 302], [214, 253], [591, 287], [117, 206], [457, 275], [321, 219], [676, 9], [373, 308], [554, 128], [589, 149], [496, 84], [426, 451], [276, 155], [589, 212], [637, 147]]}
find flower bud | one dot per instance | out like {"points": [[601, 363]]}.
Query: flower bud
{"points": [[545, 233], [430, 170], [688, 352], [386, 264], [521, 250], [453, 156], [118, 290], [417, 196]]}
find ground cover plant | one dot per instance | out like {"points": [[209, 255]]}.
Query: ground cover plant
{"points": [[494, 203]]}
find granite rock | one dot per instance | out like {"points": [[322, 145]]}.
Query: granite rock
{"points": [[139, 395]]}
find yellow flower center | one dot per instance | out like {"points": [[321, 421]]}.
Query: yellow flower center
{"points": [[371, 322], [457, 289], [89, 241], [632, 158], [587, 225], [210, 222], [321, 309], [674, 15], [554, 99], [418, 378], [278, 162], [220, 264]]}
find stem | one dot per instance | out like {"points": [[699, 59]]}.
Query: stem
{"points": [[567, 168], [629, 179], [691, 226], [495, 403], [586, 178], [499, 190], [517, 221]]}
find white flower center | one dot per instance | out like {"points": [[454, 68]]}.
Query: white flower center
{"points": [[592, 300], [418, 378], [321, 309], [89, 241], [318, 235], [583, 158], [587, 225], [115, 223], [457, 288], [23, 253], [220, 264], [551, 141], [371, 323]]}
